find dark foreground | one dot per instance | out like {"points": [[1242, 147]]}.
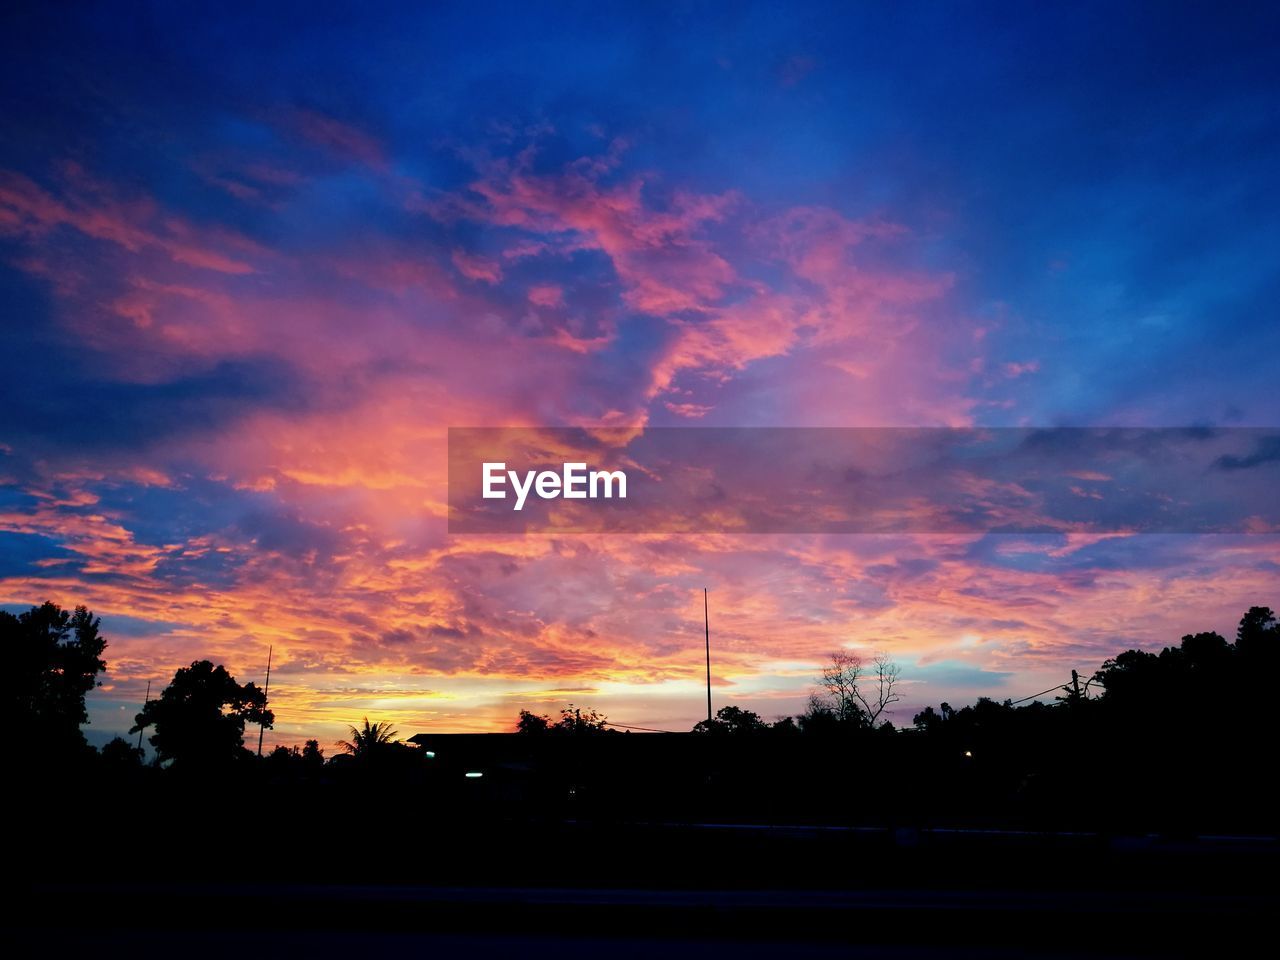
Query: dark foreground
{"points": [[385, 883], [339, 921]]}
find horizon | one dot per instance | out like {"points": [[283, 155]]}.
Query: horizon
{"points": [[254, 276], [900, 715]]}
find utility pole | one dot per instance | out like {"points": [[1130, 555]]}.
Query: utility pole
{"points": [[144, 707], [266, 689], [706, 622]]}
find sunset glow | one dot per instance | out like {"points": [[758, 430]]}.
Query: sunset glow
{"points": [[252, 279]]}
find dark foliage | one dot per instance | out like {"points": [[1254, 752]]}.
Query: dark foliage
{"points": [[733, 720], [573, 720], [200, 717], [53, 658], [119, 755], [1176, 740]]}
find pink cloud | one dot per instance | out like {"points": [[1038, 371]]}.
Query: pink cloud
{"points": [[673, 261], [691, 411], [27, 210], [476, 268], [546, 295], [663, 265], [334, 135], [1015, 370], [389, 348]]}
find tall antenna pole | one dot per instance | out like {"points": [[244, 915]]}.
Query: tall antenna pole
{"points": [[706, 621], [144, 707], [266, 689]]}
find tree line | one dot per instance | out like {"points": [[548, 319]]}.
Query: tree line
{"points": [[1137, 689], [198, 720]]}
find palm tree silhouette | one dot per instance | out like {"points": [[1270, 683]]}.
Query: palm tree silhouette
{"points": [[369, 740]]}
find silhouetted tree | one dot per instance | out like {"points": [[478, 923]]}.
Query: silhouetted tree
{"points": [[370, 740], [200, 717], [927, 720], [295, 762], [578, 720], [119, 754], [312, 757], [1258, 634], [52, 659], [732, 720], [854, 696], [284, 761], [1258, 652], [532, 723], [820, 717], [572, 720], [1133, 677]]}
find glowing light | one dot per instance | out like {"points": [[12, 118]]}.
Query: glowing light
{"points": [[474, 774]]}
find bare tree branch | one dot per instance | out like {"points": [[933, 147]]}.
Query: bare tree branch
{"points": [[848, 691]]}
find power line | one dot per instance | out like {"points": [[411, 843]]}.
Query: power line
{"points": [[1061, 686], [628, 726]]}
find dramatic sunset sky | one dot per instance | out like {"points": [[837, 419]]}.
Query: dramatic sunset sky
{"points": [[254, 264]]}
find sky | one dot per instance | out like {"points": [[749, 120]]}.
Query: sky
{"points": [[255, 262]]}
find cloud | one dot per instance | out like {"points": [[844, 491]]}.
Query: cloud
{"points": [[334, 135], [95, 210], [1266, 451], [228, 420], [546, 295], [477, 268]]}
